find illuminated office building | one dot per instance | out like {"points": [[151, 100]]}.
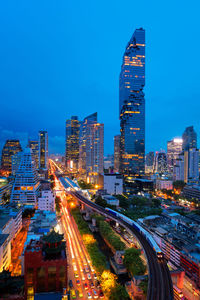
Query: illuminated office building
{"points": [[10, 148], [43, 149], [26, 185], [174, 148], [189, 138], [160, 163], [149, 162], [34, 145], [16, 159], [132, 106], [91, 148], [72, 143]]}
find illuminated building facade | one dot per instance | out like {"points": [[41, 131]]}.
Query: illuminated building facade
{"points": [[91, 148], [26, 185], [34, 145], [45, 265], [174, 148], [10, 148], [117, 139], [43, 149], [72, 143], [132, 106], [16, 159], [189, 138]]}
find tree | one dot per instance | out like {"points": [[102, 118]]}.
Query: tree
{"points": [[133, 262], [144, 286], [178, 184], [100, 201], [58, 204], [156, 202], [118, 293]]}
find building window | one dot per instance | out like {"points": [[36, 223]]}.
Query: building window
{"points": [[40, 279], [51, 279]]}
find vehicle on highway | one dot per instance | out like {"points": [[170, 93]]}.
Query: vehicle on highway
{"points": [[83, 277], [80, 294], [95, 294], [76, 274], [70, 284], [101, 295], [78, 282], [73, 294], [97, 284], [92, 285], [85, 286], [89, 276], [178, 293], [89, 295], [87, 269], [140, 229]]}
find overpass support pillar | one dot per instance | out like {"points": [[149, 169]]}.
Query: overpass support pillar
{"points": [[180, 279]]}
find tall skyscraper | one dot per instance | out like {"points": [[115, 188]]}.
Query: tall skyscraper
{"points": [[117, 139], [160, 163], [132, 106], [43, 149], [34, 145], [10, 148], [72, 143], [189, 138], [16, 159], [174, 148], [26, 185], [149, 162], [91, 148]]}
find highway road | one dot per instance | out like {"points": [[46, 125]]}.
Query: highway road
{"points": [[160, 284]]}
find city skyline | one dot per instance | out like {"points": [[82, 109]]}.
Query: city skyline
{"points": [[43, 58]]}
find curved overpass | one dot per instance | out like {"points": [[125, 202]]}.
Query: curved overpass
{"points": [[160, 284]]}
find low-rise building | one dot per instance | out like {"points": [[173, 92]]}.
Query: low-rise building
{"points": [[47, 200], [111, 200], [14, 215], [192, 192], [178, 238], [7, 226], [45, 265], [164, 184]]}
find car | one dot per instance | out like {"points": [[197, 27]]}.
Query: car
{"points": [[95, 276], [73, 294], [89, 295], [97, 284], [70, 284], [87, 269], [76, 274], [80, 294], [78, 282], [95, 294], [92, 285], [89, 276], [85, 286], [83, 277], [101, 295]]}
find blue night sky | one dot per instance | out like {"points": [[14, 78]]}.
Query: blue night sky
{"points": [[61, 58]]}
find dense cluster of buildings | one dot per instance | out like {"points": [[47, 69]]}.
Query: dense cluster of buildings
{"points": [[178, 237]]}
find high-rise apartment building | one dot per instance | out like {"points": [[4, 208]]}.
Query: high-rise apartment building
{"points": [[178, 170], [34, 145], [191, 166], [117, 139], [10, 148], [189, 138], [72, 143], [43, 149], [174, 148], [149, 162], [132, 106], [91, 148], [26, 185], [160, 163]]}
